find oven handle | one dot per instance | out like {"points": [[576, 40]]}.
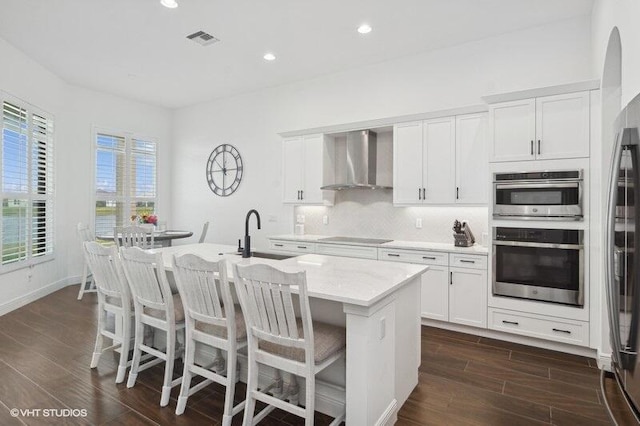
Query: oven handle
{"points": [[538, 184], [540, 245]]}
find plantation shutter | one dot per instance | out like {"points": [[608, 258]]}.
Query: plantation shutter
{"points": [[125, 180], [41, 185], [143, 176], [110, 182], [27, 184]]}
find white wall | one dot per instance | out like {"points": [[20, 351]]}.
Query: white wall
{"points": [[548, 55], [76, 111], [624, 14]]}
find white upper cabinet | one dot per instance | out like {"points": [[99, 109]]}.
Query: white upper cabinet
{"points": [[438, 160], [512, 127], [292, 157], [302, 169], [407, 163], [544, 128], [312, 168], [562, 126], [472, 160], [441, 161]]}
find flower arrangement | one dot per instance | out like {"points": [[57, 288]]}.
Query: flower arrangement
{"points": [[145, 218]]}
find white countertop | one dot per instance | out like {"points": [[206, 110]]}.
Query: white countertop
{"points": [[397, 244], [360, 282]]}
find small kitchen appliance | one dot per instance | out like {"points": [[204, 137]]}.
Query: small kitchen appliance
{"points": [[542, 195], [462, 235]]}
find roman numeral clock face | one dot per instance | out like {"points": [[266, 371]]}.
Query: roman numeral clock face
{"points": [[224, 170]]}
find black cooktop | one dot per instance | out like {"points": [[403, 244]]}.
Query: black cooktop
{"points": [[355, 240]]}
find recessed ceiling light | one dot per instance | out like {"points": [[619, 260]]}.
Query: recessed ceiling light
{"points": [[171, 4], [364, 29], [269, 57]]}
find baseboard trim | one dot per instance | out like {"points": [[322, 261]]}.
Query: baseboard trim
{"points": [[390, 414], [604, 361], [514, 338], [25, 299]]}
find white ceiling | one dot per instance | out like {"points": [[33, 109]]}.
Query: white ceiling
{"points": [[138, 48]]}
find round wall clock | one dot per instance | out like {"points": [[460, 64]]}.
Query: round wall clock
{"points": [[224, 170]]}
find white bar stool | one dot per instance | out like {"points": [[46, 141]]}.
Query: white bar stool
{"points": [[278, 339], [213, 320]]}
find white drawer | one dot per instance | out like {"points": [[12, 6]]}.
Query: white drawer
{"points": [[414, 256], [364, 252], [557, 329], [291, 246], [467, 261]]}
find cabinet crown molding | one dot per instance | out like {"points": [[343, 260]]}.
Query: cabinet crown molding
{"points": [[386, 122], [580, 86]]}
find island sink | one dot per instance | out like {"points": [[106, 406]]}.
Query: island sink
{"points": [[273, 256]]}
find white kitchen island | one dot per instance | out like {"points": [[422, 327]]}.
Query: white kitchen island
{"points": [[378, 302]]}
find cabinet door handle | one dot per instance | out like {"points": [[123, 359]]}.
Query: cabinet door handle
{"points": [[302, 247], [298, 194], [301, 194], [539, 146], [467, 261], [278, 245], [393, 255], [561, 331], [532, 147], [510, 322], [457, 193], [424, 194], [450, 278], [429, 257], [419, 194]]}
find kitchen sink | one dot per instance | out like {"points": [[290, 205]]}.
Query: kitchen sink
{"points": [[265, 255]]}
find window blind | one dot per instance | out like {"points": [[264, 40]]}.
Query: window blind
{"points": [[27, 183], [125, 180]]}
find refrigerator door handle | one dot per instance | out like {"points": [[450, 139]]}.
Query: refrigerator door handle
{"points": [[612, 289], [629, 353]]}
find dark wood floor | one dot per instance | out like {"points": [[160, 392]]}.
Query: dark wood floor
{"points": [[45, 350]]}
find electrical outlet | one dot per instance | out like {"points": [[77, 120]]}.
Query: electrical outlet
{"points": [[300, 218], [418, 223], [273, 218], [325, 220]]}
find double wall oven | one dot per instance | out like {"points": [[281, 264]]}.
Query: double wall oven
{"points": [[542, 263]]}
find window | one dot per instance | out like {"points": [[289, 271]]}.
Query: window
{"points": [[26, 184], [125, 179]]}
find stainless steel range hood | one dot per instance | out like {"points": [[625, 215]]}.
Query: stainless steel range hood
{"points": [[360, 165]]}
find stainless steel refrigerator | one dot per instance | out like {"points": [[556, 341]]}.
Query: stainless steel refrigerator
{"points": [[622, 267]]}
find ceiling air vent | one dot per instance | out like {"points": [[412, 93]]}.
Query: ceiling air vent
{"points": [[203, 38]]}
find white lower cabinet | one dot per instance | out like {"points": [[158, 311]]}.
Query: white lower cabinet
{"points": [[434, 302], [468, 296], [291, 247], [454, 288], [363, 252], [542, 327]]}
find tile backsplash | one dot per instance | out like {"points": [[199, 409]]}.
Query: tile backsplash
{"points": [[370, 213]]}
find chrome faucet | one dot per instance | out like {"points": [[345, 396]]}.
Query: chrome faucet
{"points": [[246, 252]]}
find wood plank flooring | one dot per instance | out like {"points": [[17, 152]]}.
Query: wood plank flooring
{"points": [[45, 350]]}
